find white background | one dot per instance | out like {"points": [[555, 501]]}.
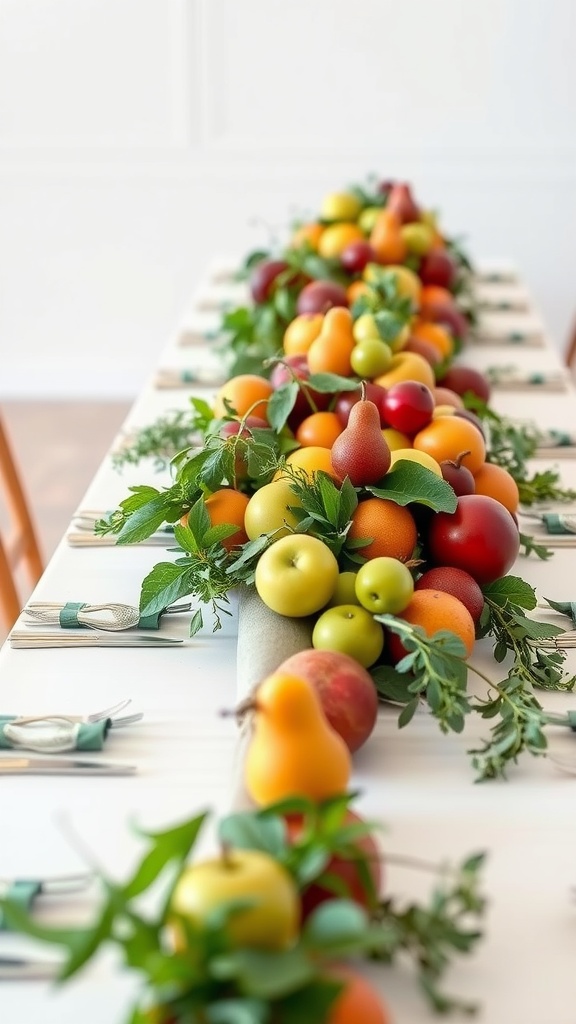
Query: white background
{"points": [[141, 138]]}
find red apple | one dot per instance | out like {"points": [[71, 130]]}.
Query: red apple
{"points": [[356, 256], [346, 690], [464, 378], [320, 296], [437, 268], [346, 868], [346, 399], [263, 277], [408, 406]]}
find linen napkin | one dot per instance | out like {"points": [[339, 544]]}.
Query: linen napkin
{"points": [[201, 375], [498, 328], [498, 297], [265, 640], [53, 735], [556, 444], [79, 614], [513, 378], [554, 529]]}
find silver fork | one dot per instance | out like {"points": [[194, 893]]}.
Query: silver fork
{"points": [[96, 716]]}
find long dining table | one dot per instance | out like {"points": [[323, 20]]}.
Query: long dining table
{"points": [[417, 782]]}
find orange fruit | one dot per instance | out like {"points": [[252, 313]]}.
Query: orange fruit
{"points": [[307, 462], [434, 610], [320, 428], [446, 437], [434, 295], [307, 234], [389, 526], [228, 506], [435, 335], [358, 1002], [336, 237], [355, 290], [497, 483], [248, 392], [457, 582], [301, 332]]}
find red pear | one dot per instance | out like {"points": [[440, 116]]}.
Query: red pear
{"points": [[361, 452]]}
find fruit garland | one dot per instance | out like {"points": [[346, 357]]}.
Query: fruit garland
{"points": [[412, 504]]}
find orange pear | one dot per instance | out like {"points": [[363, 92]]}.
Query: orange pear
{"points": [[293, 750]]}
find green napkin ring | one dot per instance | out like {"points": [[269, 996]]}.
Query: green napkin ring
{"points": [[22, 892], [52, 735], [557, 524], [68, 617]]}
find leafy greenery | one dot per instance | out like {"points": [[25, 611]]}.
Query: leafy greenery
{"points": [[434, 669], [165, 437], [511, 445], [212, 980]]}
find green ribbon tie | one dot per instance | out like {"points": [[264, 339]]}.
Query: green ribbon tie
{"points": [[21, 892], [560, 438], [69, 615], [536, 378], [556, 524], [90, 736]]}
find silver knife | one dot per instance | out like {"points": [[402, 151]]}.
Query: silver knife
{"points": [[61, 766], [19, 968], [30, 638]]}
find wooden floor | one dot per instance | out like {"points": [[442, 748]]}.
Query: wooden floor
{"points": [[58, 447]]}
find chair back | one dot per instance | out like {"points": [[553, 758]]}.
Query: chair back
{"points": [[18, 544]]}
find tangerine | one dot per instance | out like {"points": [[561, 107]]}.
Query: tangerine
{"points": [[336, 237], [357, 1003], [497, 482], [435, 610], [247, 392], [307, 234], [457, 582], [228, 506], [446, 437], [320, 428], [389, 527], [435, 335]]}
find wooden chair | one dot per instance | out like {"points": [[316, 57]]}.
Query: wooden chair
{"points": [[570, 352], [21, 547]]}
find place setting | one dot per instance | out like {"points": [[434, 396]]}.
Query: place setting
{"points": [[81, 624]]}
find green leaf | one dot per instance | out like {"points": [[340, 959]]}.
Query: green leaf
{"points": [[164, 584], [334, 922], [513, 590], [348, 502], [410, 482], [145, 520], [237, 1011], [281, 404], [408, 712], [196, 622], [390, 683], [199, 521], [537, 630], [389, 325], [330, 383], [249, 831], [172, 844], [264, 975]]}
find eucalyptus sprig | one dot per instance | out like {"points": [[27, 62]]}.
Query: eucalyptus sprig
{"points": [[207, 977], [511, 445], [434, 670]]}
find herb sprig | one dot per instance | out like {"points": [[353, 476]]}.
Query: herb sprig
{"points": [[213, 980], [434, 669]]}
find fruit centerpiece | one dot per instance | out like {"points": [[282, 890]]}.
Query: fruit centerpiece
{"points": [[360, 484]]}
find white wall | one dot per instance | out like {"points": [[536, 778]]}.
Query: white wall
{"points": [[139, 139]]}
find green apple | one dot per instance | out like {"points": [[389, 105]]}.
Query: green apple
{"points": [[368, 218], [345, 592], [370, 358], [352, 630], [419, 238], [268, 510], [384, 586], [270, 922], [297, 575]]}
